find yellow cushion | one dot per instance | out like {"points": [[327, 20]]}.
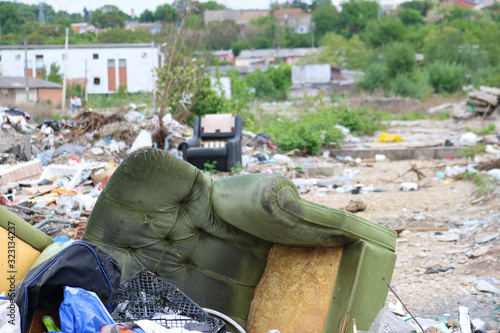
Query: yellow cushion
{"points": [[295, 290], [16, 258]]}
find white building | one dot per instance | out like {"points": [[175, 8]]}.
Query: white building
{"points": [[105, 67]]}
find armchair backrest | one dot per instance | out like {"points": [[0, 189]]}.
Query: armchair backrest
{"points": [[217, 125]]}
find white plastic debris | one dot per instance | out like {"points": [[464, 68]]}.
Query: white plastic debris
{"points": [[282, 159], [141, 141], [452, 171], [468, 139], [495, 173], [407, 186]]}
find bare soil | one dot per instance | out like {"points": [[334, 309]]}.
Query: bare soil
{"points": [[446, 203]]}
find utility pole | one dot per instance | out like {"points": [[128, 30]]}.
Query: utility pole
{"points": [[86, 84], [313, 25], [26, 73], [63, 107]]}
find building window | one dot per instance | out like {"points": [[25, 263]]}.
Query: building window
{"points": [[95, 56], [97, 81], [111, 63], [18, 57], [122, 63]]}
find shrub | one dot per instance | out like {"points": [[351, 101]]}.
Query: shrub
{"points": [[411, 84], [309, 130], [446, 77], [375, 76]]}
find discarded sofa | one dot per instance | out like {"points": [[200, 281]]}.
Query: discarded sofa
{"points": [[21, 246], [247, 246], [216, 139]]}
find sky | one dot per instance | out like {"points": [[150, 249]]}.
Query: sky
{"points": [[76, 6]]}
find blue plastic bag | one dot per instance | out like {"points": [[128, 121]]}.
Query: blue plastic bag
{"points": [[82, 312]]}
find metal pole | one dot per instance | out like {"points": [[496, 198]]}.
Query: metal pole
{"points": [[85, 83], [26, 73], [63, 107]]}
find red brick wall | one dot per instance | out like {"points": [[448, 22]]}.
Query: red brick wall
{"points": [[55, 95]]}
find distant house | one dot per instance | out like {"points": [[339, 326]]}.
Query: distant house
{"points": [[226, 56], [13, 90], [288, 17], [104, 67], [82, 28], [310, 79], [460, 3], [152, 27], [294, 18], [265, 56], [241, 17]]}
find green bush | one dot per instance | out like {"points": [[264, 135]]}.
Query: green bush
{"points": [[375, 76], [400, 59], [487, 76], [446, 77], [414, 84], [309, 130]]}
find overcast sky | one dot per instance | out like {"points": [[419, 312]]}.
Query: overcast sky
{"points": [[76, 6]]}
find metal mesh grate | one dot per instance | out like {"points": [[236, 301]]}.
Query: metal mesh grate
{"points": [[144, 294]]}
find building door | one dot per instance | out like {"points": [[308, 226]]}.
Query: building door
{"points": [[39, 66], [111, 75], [122, 73]]}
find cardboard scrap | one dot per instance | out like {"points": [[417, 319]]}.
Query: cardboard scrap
{"points": [[21, 171]]}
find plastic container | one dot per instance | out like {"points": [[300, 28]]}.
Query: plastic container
{"points": [[145, 294]]}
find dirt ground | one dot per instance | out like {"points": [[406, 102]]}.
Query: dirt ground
{"points": [[443, 225], [447, 204]]}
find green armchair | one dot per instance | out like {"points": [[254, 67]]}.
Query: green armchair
{"points": [[212, 239]]}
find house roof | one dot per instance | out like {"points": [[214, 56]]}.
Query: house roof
{"points": [[463, 4], [272, 53], [75, 46], [11, 82], [219, 53]]}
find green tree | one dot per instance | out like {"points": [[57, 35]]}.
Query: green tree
{"points": [[446, 77], [324, 17], [165, 13], [108, 16], [220, 35], [410, 16], [399, 59], [211, 5], [421, 6], [292, 39], [125, 36], [10, 18], [384, 31], [339, 51], [147, 16], [356, 14], [54, 75], [316, 3], [240, 45]]}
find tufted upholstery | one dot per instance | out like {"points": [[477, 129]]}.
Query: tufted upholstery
{"points": [[211, 238]]}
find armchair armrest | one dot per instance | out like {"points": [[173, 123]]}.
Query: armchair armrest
{"points": [[270, 207]]}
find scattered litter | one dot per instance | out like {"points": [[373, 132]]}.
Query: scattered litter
{"points": [[408, 186], [468, 139], [386, 137]]}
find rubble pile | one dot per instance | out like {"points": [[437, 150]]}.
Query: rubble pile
{"points": [[479, 103]]}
